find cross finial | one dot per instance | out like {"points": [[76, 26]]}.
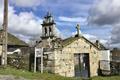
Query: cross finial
{"points": [[78, 29], [48, 13]]}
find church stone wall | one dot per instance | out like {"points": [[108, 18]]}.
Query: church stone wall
{"points": [[94, 62], [50, 63], [64, 63], [64, 58]]}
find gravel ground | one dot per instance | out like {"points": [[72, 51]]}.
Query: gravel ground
{"points": [[10, 77]]}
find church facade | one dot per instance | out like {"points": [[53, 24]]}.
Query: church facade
{"points": [[74, 56]]}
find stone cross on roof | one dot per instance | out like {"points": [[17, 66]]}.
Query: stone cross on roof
{"points": [[48, 13], [78, 29]]}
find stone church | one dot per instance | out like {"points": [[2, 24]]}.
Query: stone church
{"points": [[71, 57]]}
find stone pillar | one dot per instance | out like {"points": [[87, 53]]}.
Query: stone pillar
{"points": [[53, 29], [43, 31], [48, 31]]}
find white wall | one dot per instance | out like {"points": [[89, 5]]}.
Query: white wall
{"points": [[105, 55], [105, 60]]}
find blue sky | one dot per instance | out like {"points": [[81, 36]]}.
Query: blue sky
{"points": [[67, 13]]}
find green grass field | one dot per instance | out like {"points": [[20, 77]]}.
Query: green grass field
{"points": [[45, 76], [107, 78], [31, 75]]}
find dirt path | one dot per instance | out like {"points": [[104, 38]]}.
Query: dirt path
{"points": [[10, 77]]}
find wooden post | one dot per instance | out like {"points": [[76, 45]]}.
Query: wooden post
{"points": [[42, 61], [35, 61], [5, 25], [38, 53]]}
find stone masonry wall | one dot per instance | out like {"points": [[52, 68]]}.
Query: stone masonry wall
{"points": [[64, 58]]}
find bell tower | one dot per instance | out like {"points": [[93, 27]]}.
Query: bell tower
{"points": [[48, 27]]}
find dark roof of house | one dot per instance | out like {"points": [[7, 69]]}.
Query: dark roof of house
{"points": [[14, 41], [101, 46], [116, 50]]}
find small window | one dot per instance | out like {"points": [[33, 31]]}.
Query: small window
{"points": [[90, 46], [94, 52]]}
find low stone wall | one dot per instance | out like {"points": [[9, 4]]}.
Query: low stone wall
{"points": [[18, 61]]}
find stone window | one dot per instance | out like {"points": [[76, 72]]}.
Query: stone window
{"points": [[94, 52], [45, 31], [90, 46]]}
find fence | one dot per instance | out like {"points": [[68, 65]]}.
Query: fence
{"points": [[115, 67], [109, 67], [18, 61]]}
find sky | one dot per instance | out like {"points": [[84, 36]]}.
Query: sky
{"points": [[98, 19]]}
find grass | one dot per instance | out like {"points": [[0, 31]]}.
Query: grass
{"points": [[107, 78], [45, 76], [31, 75]]}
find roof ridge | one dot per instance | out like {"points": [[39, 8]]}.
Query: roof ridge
{"points": [[72, 39]]}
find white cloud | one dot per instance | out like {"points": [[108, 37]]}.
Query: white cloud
{"points": [[107, 12], [24, 25], [58, 33], [25, 22], [64, 23], [71, 21], [74, 19], [92, 38], [68, 7], [26, 3], [115, 36], [114, 45]]}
